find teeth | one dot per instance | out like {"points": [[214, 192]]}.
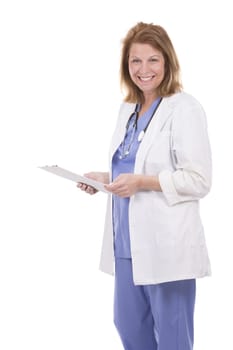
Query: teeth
{"points": [[145, 78]]}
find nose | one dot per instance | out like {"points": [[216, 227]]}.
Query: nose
{"points": [[144, 67]]}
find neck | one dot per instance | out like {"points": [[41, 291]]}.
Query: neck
{"points": [[149, 99]]}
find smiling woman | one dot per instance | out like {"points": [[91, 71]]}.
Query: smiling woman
{"points": [[147, 53], [146, 69], [160, 167]]}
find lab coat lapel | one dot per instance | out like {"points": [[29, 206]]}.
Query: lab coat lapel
{"points": [[156, 126], [127, 110]]}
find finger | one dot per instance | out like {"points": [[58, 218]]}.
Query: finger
{"points": [[119, 191], [82, 186], [114, 186], [90, 190]]}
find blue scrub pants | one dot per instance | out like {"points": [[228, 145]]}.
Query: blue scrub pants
{"points": [[153, 317]]}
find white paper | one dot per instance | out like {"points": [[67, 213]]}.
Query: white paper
{"points": [[54, 169]]}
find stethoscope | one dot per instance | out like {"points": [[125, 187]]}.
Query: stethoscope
{"points": [[126, 151]]}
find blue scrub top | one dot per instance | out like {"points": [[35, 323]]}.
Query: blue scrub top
{"points": [[126, 165]]}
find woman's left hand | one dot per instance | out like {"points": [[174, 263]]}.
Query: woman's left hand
{"points": [[125, 185]]}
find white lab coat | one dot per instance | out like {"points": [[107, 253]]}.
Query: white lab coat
{"points": [[166, 232]]}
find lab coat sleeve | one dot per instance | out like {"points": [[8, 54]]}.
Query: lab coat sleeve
{"points": [[191, 156]]}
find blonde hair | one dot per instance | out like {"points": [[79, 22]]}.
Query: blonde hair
{"points": [[158, 38]]}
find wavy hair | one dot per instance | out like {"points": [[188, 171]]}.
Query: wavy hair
{"points": [[158, 38]]}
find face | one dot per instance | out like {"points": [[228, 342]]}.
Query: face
{"points": [[146, 67]]}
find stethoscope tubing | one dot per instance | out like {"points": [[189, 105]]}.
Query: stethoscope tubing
{"points": [[142, 132]]}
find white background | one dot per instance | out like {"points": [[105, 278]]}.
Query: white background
{"points": [[59, 100]]}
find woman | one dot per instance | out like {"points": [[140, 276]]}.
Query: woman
{"points": [[160, 167]]}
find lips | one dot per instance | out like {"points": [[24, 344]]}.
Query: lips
{"points": [[146, 79]]}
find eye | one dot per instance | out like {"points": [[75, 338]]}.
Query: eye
{"points": [[135, 60], [154, 59]]}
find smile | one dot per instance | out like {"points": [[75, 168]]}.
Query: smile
{"points": [[145, 79]]}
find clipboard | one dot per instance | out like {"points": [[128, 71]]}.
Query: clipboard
{"points": [[56, 170]]}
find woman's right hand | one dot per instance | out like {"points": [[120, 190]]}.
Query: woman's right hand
{"points": [[94, 175]]}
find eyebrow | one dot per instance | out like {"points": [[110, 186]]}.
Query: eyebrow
{"points": [[155, 55]]}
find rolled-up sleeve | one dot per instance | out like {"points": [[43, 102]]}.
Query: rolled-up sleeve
{"points": [[190, 154]]}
